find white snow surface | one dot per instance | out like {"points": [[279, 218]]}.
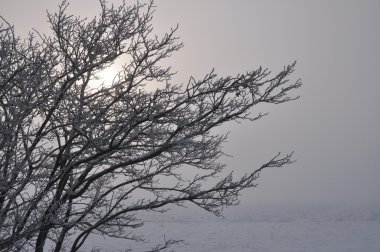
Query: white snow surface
{"points": [[281, 229]]}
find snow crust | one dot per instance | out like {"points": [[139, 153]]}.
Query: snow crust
{"points": [[281, 229]]}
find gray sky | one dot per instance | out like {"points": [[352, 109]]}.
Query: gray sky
{"points": [[333, 128]]}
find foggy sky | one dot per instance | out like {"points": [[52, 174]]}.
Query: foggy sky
{"points": [[333, 128]]}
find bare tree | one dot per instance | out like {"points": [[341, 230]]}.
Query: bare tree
{"points": [[78, 158]]}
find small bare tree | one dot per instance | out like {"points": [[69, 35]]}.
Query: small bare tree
{"points": [[78, 158]]}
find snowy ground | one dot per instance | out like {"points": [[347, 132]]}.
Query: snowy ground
{"points": [[283, 230]]}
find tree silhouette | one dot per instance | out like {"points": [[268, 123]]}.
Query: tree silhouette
{"points": [[79, 157]]}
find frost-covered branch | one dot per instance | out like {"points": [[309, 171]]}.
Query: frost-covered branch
{"points": [[80, 157]]}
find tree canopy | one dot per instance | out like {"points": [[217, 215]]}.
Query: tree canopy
{"points": [[79, 158]]}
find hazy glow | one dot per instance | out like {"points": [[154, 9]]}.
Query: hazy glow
{"points": [[108, 75]]}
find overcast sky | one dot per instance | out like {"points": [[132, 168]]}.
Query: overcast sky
{"points": [[333, 128]]}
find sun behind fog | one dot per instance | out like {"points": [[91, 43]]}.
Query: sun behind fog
{"points": [[107, 75]]}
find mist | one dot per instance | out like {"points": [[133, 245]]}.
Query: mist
{"points": [[333, 128]]}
